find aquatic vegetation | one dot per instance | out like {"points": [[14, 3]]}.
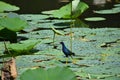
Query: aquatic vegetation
{"points": [[7, 7], [114, 10], [96, 49], [50, 74], [9, 25], [65, 11]]}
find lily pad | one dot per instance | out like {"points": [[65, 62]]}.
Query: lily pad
{"points": [[95, 19], [65, 11], [22, 48], [7, 7], [49, 74], [1, 27], [13, 24], [32, 61], [32, 17], [109, 11], [117, 5]]}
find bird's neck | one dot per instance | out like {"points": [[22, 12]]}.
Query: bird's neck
{"points": [[63, 45]]}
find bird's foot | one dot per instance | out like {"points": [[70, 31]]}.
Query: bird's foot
{"points": [[74, 61]]}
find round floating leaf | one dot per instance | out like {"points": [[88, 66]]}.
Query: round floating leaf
{"points": [[49, 12], [7, 7], [22, 47], [57, 73], [95, 19], [65, 11], [109, 11], [13, 24], [32, 61], [31, 17], [117, 5]]}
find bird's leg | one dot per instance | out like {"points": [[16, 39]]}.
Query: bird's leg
{"points": [[73, 61], [66, 60], [71, 57]]}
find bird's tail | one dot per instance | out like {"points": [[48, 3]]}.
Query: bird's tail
{"points": [[73, 54]]}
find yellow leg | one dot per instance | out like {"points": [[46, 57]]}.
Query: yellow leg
{"points": [[66, 60], [74, 61]]}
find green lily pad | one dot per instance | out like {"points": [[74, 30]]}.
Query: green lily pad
{"points": [[13, 24], [32, 61], [1, 27], [26, 45], [117, 5], [95, 19], [49, 12], [109, 11], [33, 17], [51, 52], [21, 48], [65, 11], [7, 7], [49, 74]]}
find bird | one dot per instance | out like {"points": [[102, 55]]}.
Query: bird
{"points": [[66, 51]]}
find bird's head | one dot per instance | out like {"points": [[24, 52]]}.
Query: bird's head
{"points": [[61, 42]]}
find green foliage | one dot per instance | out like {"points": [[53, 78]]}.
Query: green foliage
{"points": [[7, 7], [57, 73], [9, 25], [23, 48], [57, 31], [13, 24], [95, 19], [114, 10], [65, 11], [117, 5], [97, 49]]}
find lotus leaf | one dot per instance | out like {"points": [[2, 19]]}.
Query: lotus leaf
{"points": [[95, 19], [7, 7], [22, 48], [13, 24], [65, 11], [49, 74]]}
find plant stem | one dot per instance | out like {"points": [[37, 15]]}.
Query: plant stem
{"points": [[71, 25], [54, 38]]}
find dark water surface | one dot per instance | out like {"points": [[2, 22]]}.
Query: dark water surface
{"points": [[36, 6]]}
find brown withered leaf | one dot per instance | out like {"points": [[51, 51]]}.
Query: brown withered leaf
{"points": [[9, 71]]}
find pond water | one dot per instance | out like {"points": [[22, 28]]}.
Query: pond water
{"points": [[35, 7], [97, 50]]}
